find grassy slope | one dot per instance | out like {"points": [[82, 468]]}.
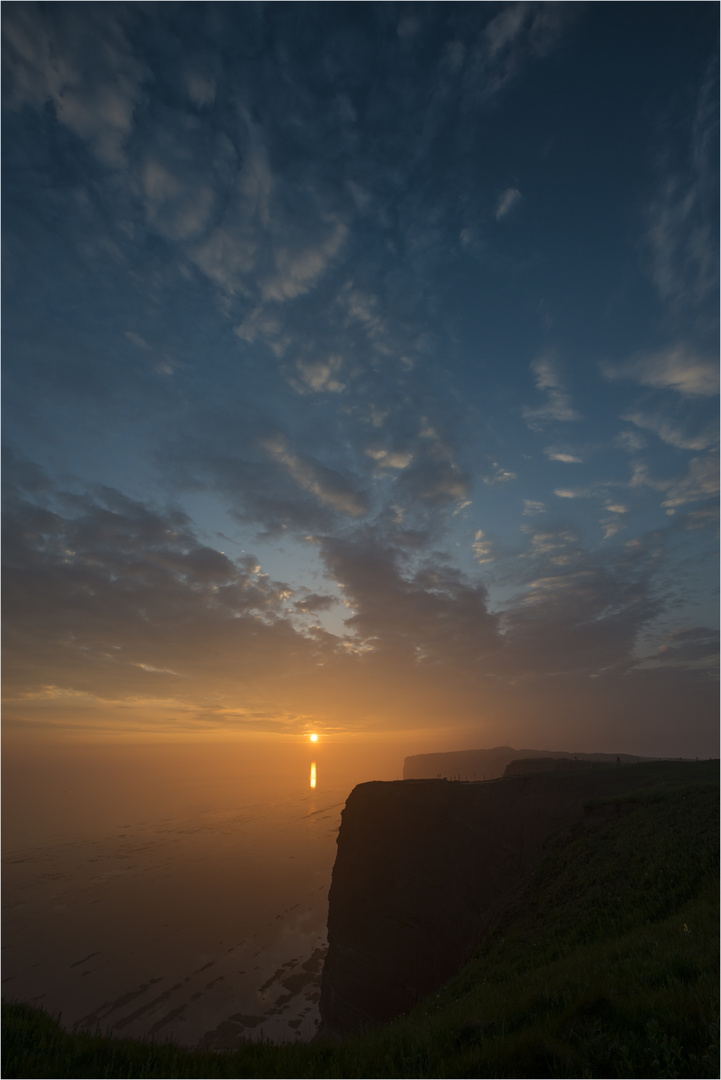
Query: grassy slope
{"points": [[606, 967]]}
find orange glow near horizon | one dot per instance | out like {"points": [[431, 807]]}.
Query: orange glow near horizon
{"points": [[312, 774]]}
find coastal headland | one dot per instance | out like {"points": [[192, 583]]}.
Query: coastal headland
{"points": [[425, 867]]}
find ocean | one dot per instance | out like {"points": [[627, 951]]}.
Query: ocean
{"points": [[175, 892]]}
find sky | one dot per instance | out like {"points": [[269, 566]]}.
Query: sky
{"points": [[360, 373]]}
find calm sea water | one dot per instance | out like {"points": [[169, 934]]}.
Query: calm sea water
{"points": [[174, 892]]}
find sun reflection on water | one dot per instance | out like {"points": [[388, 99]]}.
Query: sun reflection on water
{"points": [[312, 774]]}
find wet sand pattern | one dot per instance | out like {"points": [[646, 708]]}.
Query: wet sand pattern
{"points": [[203, 932]]}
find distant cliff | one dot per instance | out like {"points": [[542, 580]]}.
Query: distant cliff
{"points": [[488, 764], [423, 869]]}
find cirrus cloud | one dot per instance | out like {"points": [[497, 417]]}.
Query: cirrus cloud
{"points": [[678, 368]]}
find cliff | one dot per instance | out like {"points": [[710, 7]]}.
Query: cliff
{"points": [[532, 766], [423, 869], [489, 764]]}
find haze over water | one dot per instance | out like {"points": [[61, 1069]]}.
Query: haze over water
{"points": [[175, 891]]}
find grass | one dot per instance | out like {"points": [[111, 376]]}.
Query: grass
{"points": [[607, 966]]}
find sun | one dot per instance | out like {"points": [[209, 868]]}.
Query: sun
{"points": [[313, 737]]}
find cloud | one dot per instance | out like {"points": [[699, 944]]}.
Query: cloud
{"points": [[700, 519], [178, 204], [580, 619], [319, 375], [580, 611], [641, 477], [559, 546], [110, 596], [310, 603], [265, 325], [83, 64], [555, 586], [454, 55], [433, 477], [701, 482], [559, 455], [558, 404], [230, 253], [669, 432], [435, 481], [300, 265], [499, 475], [518, 32], [533, 506], [613, 525], [255, 232], [325, 484], [201, 88], [276, 480], [682, 228], [117, 616], [675, 368], [389, 459], [506, 202], [157, 670], [430, 613], [163, 363], [505, 27], [408, 26], [694, 648], [482, 548], [364, 308], [630, 441]]}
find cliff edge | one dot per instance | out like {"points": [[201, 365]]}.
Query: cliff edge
{"points": [[490, 764], [424, 868]]}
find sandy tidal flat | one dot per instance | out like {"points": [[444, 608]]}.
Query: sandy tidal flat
{"points": [[199, 929]]}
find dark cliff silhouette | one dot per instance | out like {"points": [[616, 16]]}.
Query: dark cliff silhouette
{"points": [[425, 867]]}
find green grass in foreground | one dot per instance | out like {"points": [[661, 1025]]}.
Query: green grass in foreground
{"points": [[606, 967]]}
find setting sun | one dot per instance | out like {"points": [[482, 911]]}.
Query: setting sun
{"points": [[313, 737]]}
